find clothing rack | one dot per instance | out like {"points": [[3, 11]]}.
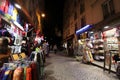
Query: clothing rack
{"points": [[31, 68], [21, 70]]}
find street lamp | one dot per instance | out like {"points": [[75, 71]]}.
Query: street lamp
{"points": [[18, 6], [43, 15]]}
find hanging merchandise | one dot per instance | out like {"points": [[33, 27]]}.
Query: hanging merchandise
{"points": [[18, 18], [22, 67], [4, 33], [98, 35], [87, 56], [39, 37], [19, 70], [10, 9], [14, 16], [4, 5], [111, 40], [26, 28]]}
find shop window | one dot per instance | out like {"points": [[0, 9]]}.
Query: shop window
{"points": [[82, 6], [83, 22], [108, 8]]}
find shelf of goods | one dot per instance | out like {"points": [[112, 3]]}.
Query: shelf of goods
{"points": [[98, 49]]}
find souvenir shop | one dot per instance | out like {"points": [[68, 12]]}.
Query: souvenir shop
{"points": [[85, 43], [14, 64], [106, 45], [102, 45]]}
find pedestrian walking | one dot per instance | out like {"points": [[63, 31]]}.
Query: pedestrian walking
{"points": [[46, 48], [55, 48]]}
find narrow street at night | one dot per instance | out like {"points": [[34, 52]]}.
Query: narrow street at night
{"points": [[65, 68]]}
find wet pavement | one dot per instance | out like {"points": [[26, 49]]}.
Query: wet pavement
{"points": [[65, 68]]}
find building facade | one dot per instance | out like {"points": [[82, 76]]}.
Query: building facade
{"points": [[78, 13], [33, 10]]}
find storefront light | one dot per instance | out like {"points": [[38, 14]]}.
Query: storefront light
{"points": [[18, 6], [18, 25], [106, 27], [84, 29], [91, 32], [79, 41]]}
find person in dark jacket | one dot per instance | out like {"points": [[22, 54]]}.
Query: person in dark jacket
{"points": [[116, 57], [24, 47]]}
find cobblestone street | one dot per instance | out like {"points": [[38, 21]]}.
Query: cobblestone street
{"points": [[65, 68]]}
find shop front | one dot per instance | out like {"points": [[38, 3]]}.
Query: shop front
{"points": [[10, 32], [85, 43], [106, 46], [13, 62], [111, 46]]}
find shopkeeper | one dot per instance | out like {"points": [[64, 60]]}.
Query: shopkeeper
{"points": [[116, 58]]}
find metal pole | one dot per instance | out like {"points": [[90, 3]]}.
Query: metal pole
{"points": [[104, 61], [110, 62]]}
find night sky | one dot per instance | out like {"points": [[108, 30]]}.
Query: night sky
{"points": [[53, 20]]}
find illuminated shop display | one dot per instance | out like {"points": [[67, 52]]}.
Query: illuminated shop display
{"points": [[10, 9], [4, 5], [111, 39]]}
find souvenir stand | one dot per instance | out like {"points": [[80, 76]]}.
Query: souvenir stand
{"points": [[111, 46], [5, 40], [87, 56], [24, 68], [98, 43], [83, 32]]}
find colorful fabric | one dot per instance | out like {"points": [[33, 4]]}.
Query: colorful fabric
{"points": [[28, 73], [34, 71], [10, 75], [6, 75], [18, 73], [2, 73], [24, 73]]}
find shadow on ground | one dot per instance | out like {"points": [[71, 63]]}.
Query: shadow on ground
{"points": [[48, 74]]}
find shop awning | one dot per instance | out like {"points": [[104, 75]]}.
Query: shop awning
{"points": [[84, 29]]}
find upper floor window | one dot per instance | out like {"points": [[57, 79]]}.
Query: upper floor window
{"points": [[108, 8], [82, 6]]}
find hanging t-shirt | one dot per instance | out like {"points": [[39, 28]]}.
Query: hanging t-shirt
{"points": [[10, 9]]}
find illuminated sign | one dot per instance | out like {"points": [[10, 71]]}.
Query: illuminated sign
{"points": [[18, 25], [84, 29]]}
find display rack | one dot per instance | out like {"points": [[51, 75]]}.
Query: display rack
{"points": [[111, 48], [98, 49]]}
